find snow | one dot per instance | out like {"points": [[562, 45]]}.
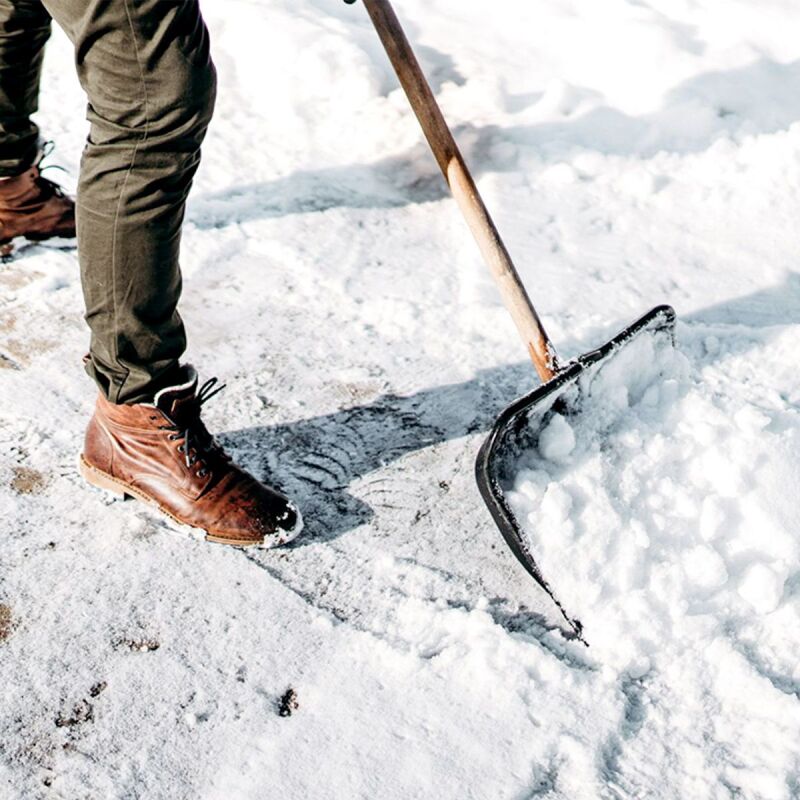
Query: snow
{"points": [[557, 439], [670, 531], [633, 153]]}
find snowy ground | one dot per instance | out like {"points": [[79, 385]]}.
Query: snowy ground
{"points": [[633, 153]]}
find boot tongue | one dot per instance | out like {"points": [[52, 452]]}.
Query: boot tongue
{"points": [[172, 400]]}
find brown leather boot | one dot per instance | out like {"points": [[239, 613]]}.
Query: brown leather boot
{"points": [[163, 454], [34, 207]]}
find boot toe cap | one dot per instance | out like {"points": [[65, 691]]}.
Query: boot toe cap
{"points": [[269, 520]]}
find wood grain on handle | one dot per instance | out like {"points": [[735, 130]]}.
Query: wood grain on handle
{"points": [[463, 187]]}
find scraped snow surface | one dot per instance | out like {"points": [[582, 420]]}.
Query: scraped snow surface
{"points": [[633, 153]]}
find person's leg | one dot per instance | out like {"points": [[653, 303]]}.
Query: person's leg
{"points": [[30, 205], [24, 29], [147, 72], [146, 69]]}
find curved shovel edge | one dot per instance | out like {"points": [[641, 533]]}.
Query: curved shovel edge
{"points": [[499, 447]]}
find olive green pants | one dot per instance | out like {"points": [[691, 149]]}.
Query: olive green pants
{"points": [[147, 73]]}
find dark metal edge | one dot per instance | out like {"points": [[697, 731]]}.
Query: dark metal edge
{"points": [[660, 318]]}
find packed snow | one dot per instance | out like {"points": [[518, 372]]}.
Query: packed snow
{"points": [[663, 509], [633, 153]]}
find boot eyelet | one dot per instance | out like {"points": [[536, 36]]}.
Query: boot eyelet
{"points": [[172, 437], [180, 448], [201, 473]]}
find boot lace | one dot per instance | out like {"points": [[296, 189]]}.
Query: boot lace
{"points": [[47, 187], [197, 444]]}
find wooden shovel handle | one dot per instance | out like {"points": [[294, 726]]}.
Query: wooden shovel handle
{"points": [[463, 187]]}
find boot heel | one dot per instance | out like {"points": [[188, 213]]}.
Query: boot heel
{"points": [[99, 480]]}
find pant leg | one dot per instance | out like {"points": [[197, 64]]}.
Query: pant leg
{"points": [[24, 29], [150, 82]]}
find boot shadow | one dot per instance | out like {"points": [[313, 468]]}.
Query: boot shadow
{"points": [[317, 460]]}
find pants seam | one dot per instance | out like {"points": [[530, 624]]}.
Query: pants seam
{"points": [[116, 392]]}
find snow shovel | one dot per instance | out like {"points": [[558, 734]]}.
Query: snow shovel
{"points": [[564, 386]]}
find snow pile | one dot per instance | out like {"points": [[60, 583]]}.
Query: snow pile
{"points": [[664, 514]]}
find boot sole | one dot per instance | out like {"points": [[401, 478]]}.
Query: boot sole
{"points": [[8, 247], [107, 483]]}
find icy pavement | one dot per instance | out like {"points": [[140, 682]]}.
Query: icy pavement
{"points": [[633, 154]]}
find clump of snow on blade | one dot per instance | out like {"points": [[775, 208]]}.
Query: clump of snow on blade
{"points": [[557, 440]]}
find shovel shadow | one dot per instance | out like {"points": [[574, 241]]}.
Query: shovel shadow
{"points": [[317, 460]]}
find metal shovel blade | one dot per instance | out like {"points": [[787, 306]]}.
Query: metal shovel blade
{"points": [[517, 430]]}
